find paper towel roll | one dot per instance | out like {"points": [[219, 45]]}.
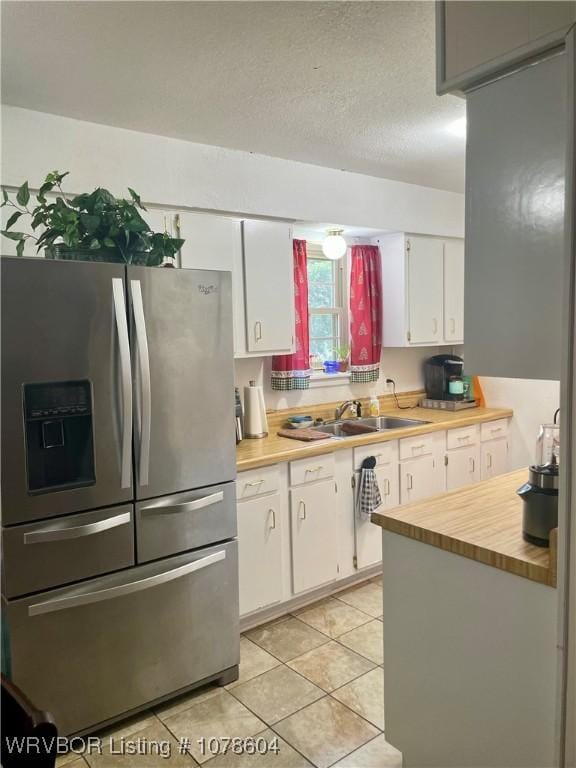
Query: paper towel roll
{"points": [[255, 421]]}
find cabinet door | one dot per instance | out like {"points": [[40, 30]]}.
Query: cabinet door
{"points": [[463, 467], [425, 257], [494, 458], [368, 537], [314, 523], [260, 556], [210, 242], [454, 291], [420, 478], [269, 286]]}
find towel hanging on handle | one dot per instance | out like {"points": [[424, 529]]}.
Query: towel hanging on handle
{"points": [[368, 498]]}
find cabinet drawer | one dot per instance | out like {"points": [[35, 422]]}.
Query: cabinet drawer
{"points": [[257, 482], [384, 453], [412, 447], [125, 640], [459, 438], [492, 430], [184, 521], [67, 549], [309, 470]]}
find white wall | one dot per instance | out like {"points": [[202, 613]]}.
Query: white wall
{"points": [[534, 403], [179, 173], [402, 365]]}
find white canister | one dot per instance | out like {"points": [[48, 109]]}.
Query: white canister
{"points": [[255, 421]]}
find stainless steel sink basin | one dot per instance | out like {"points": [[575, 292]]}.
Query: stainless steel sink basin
{"points": [[389, 422], [382, 423]]}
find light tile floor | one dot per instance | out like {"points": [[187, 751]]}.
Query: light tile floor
{"points": [[312, 681]]}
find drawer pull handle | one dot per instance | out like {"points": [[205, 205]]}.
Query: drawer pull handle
{"points": [[409, 482], [186, 506], [386, 487], [76, 531], [315, 469], [488, 460], [121, 590], [418, 447], [272, 512], [472, 465], [302, 508], [254, 483], [464, 438], [495, 429], [258, 331]]}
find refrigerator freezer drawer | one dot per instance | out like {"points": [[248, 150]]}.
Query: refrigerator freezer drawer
{"points": [[92, 652], [174, 524], [62, 550]]}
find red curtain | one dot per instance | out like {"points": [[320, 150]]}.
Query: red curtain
{"points": [[365, 314], [293, 371]]}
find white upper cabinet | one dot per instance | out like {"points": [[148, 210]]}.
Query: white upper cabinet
{"points": [[454, 291], [210, 242], [422, 290], [425, 290], [269, 287]]}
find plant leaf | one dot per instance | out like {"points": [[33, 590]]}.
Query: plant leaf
{"points": [[94, 243], [14, 235], [136, 197], [13, 219], [109, 243], [89, 222], [23, 195]]}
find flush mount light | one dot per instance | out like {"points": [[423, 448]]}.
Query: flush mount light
{"points": [[458, 128], [334, 246]]}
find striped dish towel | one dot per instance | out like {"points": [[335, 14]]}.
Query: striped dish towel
{"points": [[369, 498]]}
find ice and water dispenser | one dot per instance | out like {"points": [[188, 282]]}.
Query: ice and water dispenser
{"points": [[59, 435]]}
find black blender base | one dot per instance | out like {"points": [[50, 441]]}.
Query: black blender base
{"points": [[535, 540]]}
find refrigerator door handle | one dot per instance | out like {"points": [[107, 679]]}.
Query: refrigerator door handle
{"points": [[76, 601], [144, 375], [187, 506], [76, 531], [126, 377]]}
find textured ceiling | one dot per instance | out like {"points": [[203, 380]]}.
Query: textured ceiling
{"points": [[342, 84]]}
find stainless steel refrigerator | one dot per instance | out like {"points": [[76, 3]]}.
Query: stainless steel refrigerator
{"points": [[120, 582]]}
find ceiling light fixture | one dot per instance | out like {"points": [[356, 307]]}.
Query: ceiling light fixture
{"points": [[334, 246], [458, 127]]}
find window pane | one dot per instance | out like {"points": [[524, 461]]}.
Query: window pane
{"points": [[320, 270], [320, 295], [323, 348], [323, 325]]}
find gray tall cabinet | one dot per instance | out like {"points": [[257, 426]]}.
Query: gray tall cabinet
{"points": [[511, 61]]}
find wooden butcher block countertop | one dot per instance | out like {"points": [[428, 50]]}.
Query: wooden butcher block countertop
{"points": [[482, 522], [251, 454]]}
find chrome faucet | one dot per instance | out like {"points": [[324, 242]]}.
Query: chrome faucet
{"points": [[341, 409]]}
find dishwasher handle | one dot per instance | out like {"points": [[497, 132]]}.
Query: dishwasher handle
{"points": [[121, 590]]}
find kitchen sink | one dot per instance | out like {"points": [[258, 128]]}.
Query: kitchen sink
{"points": [[381, 423]]}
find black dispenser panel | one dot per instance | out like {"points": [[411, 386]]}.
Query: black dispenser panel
{"points": [[59, 435]]}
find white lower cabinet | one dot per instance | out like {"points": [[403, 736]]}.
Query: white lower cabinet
{"points": [[420, 478], [260, 552], [462, 467], [313, 518], [493, 458]]}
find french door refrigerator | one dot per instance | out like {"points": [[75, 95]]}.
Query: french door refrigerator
{"points": [[119, 559]]}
